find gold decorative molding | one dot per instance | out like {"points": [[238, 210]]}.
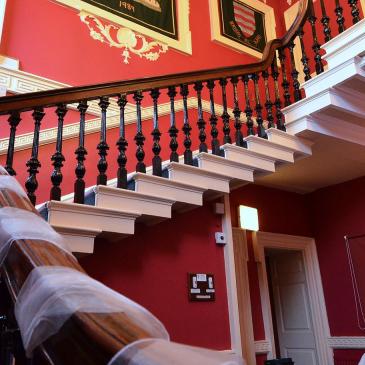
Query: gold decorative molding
{"points": [[123, 38]]}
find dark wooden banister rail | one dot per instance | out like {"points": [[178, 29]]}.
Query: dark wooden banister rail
{"points": [[88, 92]]}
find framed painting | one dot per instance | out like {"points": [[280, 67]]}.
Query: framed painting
{"points": [[166, 21], [244, 25]]}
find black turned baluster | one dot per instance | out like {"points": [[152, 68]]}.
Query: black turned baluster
{"points": [[156, 149], [279, 115], [325, 22], [225, 116], [79, 187], [213, 120], [139, 138], [355, 12], [173, 131], [260, 122], [13, 120], [340, 18], [316, 46], [103, 146], [198, 87], [285, 84], [294, 73], [58, 158], [122, 145], [188, 154], [237, 114], [33, 163], [305, 59], [248, 109], [268, 102]]}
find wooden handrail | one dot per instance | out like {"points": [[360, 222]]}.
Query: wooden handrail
{"points": [[49, 98], [86, 338]]}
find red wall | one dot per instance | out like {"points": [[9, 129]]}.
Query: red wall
{"points": [[152, 266], [54, 43], [338, 211]]}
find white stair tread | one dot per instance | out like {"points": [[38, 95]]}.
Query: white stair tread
{"points": [[225, 167], [250, 158], [79, 240], [169, 189], [298, 145], [326, 104], [261, 145], [84, 216], [199, 177], [144, 204]]}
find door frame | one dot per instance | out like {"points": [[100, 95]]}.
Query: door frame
{"points": [[307, 246]]}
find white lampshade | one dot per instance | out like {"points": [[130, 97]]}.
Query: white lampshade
{"points": [[249, 218]]}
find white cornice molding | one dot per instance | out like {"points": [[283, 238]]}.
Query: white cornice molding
{"points": [[347, 342], [20, 82]]}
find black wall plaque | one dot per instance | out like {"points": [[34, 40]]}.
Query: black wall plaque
{"points": [[201, 287], [157, 15]]}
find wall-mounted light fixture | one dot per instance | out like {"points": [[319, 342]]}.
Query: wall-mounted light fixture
{"points": [[249, 218]]}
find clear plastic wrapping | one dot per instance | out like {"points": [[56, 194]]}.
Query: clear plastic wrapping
{"points": [[162, 352], [11, 183], [16, 224], [51, 294]]}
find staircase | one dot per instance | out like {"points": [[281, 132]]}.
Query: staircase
{"points": [[205, 159]]}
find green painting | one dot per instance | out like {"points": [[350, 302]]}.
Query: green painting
{"points": [[243, 24], [157, 15]]}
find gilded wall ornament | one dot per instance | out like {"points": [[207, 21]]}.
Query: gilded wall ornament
{"points": [[123, 38]]}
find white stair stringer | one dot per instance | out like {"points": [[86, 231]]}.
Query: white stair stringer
{"points": [[146, 205], [182, 193]]}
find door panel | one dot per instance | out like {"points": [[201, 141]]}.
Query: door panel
{"points": [[292, 307]]}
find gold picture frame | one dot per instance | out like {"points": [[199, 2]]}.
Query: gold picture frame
{"points": [[217, 31], [182, 43]]}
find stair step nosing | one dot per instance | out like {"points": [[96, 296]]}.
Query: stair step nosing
{"points": [[89, 210]]}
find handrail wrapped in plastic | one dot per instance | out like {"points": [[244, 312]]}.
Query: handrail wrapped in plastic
{"points": [[161, 352], [51, 294], [11, 183], [17, 224]]}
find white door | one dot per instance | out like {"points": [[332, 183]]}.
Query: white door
{"points": [[292, 308]]}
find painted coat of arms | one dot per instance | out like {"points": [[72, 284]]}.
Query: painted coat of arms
{"points": [[243, 24]]}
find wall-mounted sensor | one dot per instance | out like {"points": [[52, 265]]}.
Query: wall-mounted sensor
{"points": [[220, 238]]}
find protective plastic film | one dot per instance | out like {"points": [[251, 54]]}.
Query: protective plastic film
{"points": [[162, 352], [11, 183], [16, 224], [51, 294]]}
